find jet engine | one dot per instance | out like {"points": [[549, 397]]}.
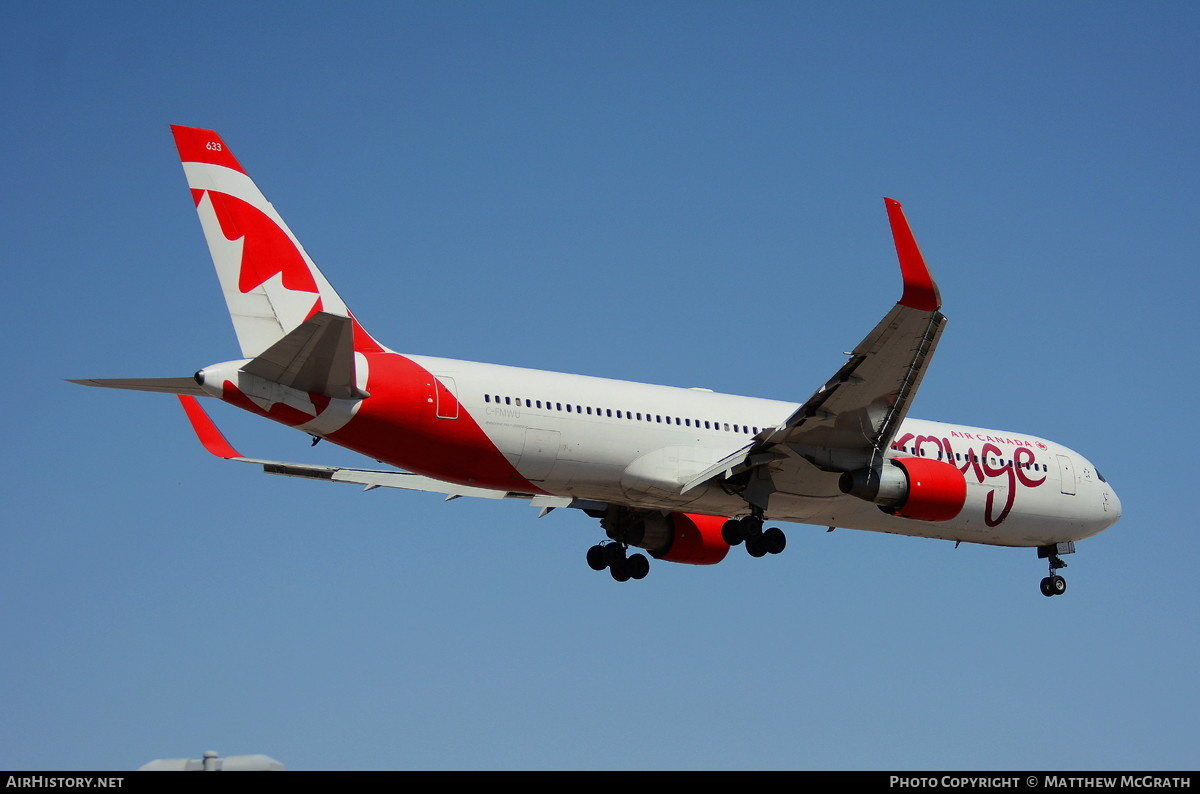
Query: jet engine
{"points": [[927, 490], [676, 537]]}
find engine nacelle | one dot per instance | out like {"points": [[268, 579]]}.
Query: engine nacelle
{"points": [[697, 539], [676, 537], [927, 490]]}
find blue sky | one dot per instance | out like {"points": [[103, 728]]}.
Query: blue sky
{"points": [[679, 193]]}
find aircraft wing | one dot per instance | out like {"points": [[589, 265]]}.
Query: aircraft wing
{"points": [[214, 441], [849, 422]]}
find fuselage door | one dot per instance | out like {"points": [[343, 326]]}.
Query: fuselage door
{"points": [[447, 397], [1066, 473]]}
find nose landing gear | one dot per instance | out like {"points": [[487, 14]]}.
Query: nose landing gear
{"points": [[1054, 584]]}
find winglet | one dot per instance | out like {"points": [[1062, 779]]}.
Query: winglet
{"points": [[206, 431], [920, 290]]}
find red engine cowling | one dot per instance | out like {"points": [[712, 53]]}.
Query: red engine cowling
{"points": [[697, 539], [927, 490], [675, 537], [937, 491]]}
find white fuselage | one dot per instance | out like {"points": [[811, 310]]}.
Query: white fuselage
{"points": [[637, 444]]}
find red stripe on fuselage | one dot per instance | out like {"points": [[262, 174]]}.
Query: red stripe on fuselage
{"points": [[398, 425]]}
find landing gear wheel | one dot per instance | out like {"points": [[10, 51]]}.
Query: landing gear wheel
{"points": [[638, 566], [731, 532], [751, 527], [595, 558], [774, 541], [756, 547], [614, 555], [1054, 584], [620, 572]]}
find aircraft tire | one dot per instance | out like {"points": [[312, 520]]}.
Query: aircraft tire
{"points": [[639, 566], [751, 527], [731, 532], [595, 558], [774, 541]]}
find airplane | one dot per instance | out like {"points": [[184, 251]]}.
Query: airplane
{"points": [[682, 474]]}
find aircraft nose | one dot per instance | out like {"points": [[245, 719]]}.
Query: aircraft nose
{"points": [[1112, 505]]}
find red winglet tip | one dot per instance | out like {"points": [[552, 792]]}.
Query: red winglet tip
{"points": [[197, 145], [206, 431], [920, 290]]}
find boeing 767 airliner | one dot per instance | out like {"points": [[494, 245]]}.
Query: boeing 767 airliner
{"points": [[683, 474]]}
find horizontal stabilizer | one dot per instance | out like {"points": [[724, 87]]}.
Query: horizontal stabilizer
{"points": [[161, 385], [317, 357]]}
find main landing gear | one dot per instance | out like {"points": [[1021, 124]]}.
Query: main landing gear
{"points": [[759, 541], [620, 565], [1054, 584]]}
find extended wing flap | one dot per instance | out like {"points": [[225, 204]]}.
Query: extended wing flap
{"points": [[379, 479]]}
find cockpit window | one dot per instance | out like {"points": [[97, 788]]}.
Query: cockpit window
{"points": [[1101, 476]]}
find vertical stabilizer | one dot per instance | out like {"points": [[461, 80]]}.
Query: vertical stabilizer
{"points": [[270, 284]]}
